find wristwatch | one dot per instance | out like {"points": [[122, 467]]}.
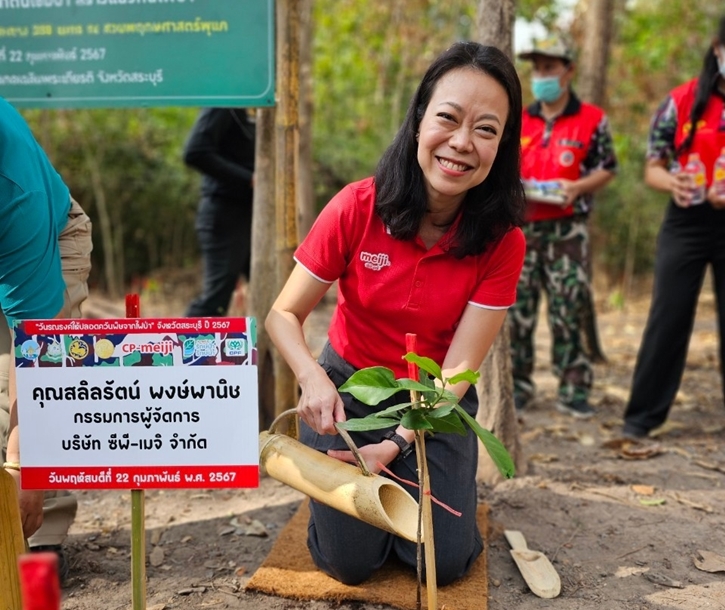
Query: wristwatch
{"points": [[405, 447]]}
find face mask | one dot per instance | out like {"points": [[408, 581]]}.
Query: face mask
{"points": [[546, 89]]}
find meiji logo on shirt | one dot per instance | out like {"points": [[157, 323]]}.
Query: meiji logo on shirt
{"points": [[375, 261]]}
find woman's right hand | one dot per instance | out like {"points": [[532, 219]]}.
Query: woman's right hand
{"points": [[320, 405]]}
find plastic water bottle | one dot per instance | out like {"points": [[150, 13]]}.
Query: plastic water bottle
{"points": [[695, 168], [719, 174]]}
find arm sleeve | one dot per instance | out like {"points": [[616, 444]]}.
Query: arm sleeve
{"points": [[601, 149], [325, 252], [31, 280], [203, 150], [500, 276], [663, 127]]}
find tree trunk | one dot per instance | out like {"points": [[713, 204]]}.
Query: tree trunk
{"points": [[596, 44], [495, 23], [306, 194], [263, 285], [496, 410], [592, 88], [286, 173], [104, 218]]}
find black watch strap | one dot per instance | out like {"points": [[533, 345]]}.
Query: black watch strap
{"points": [[405, 447]]}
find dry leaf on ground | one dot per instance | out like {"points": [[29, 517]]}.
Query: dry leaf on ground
{"points": [[707, 561], [643, 490]]}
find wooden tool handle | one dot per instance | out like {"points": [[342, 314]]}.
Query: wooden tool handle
{"points": [[516, 540]]}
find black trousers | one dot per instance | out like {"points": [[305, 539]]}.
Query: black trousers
{"points": [[350, 550], [224, 231], [689, 240]]}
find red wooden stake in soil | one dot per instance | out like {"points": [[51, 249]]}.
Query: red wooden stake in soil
{"points": [[39, 584], [133, 306]]}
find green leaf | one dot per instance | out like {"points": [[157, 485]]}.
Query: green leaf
{"points": [[410, 384], [426, 364], [469, 376], [440, 412], [370, 422], [415, 419], [427, 380], [448, 423], [393, 409], [448, 396], [495, 447], [430, 398], [371, 385]]}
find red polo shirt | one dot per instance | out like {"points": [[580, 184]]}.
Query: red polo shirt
{"points": [[389, 287]]}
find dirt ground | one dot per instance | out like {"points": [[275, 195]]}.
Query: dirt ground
{"points": [[622, 523]]}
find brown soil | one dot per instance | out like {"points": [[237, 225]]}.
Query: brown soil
{"points": [[621, 523]]}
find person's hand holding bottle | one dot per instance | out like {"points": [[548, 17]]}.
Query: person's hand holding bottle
{"points": [[716, 197], [682, 186]]}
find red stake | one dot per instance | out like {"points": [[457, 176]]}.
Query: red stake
{"points": [[133, 307], [39, 583], [411, 345]]}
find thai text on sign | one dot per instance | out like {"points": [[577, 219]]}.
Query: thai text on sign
{"points": [[138, 403]]}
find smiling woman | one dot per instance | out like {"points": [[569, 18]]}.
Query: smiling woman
{"points": [[458, 140], [429, 246]]}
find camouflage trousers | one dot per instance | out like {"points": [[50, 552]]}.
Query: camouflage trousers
{"points": [[557, 261]]}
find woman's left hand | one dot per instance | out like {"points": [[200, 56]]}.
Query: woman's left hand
{"points": [[717, 201], [374, 455]]}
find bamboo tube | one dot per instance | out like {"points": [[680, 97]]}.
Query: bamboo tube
{"points": [[373, 499]]}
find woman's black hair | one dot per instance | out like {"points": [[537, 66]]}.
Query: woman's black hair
{"points": [[490, 209], [705, 83]]}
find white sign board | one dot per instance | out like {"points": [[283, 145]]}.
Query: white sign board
{"points": [[138, 403]]}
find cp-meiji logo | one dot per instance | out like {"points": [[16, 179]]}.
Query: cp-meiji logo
{"points": [[375, 261]]}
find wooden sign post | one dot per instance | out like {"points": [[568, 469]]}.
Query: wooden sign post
{"points": [[12, 543]]}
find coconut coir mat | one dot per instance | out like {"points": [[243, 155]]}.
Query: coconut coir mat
{"points": [[289, 572]]}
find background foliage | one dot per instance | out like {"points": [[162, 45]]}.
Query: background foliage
{"points": [[367, 58]]}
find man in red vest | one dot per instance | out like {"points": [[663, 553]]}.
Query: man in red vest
{"points": [[567, 155]]}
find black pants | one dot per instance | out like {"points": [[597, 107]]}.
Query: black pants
{"points": [[689, 240], [350, 550], [224, 231]]}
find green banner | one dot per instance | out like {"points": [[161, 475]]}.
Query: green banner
{"points": [[130, 53]]}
